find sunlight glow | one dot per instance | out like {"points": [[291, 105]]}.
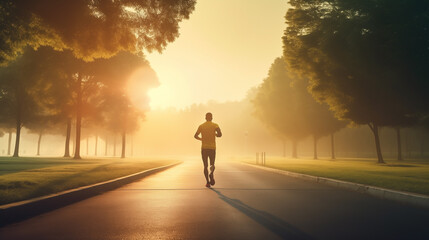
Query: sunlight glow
{"points": [[138, 86], [219, 58]]}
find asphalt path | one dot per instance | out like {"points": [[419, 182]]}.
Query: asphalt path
{"points": [[245, 203]]}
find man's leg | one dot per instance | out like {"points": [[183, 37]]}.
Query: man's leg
{"points": [[205, 156], [212, 156]]}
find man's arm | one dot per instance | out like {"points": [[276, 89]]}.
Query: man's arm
{"points": [[196, 136], [218, 132]]}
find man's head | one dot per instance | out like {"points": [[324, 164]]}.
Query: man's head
{"points": [[209, 116]]}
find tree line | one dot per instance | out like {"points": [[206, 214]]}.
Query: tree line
{"points": [[72, 62], [364, 60], [46, 90]]}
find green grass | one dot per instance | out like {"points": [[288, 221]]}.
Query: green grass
{"points": [[409, 176], [25, 178]]}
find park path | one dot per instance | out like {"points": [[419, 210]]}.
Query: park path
{"points": [[245, 203]]}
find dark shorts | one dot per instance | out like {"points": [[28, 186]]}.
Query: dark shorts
{"points": [[208, 153]]}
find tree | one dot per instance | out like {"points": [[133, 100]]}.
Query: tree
{"points": [[275, 105], [68, 87], [284, 103], [20, 93], [19, 29], [117, 73], [91, 29], [6, 122], [65, 86], [55, 93], [321, 121], [122, 118], [366, 59], [74, 90], [42, 125]]}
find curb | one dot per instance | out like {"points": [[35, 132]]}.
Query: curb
{"points": [[383, 193], [19, 211]]}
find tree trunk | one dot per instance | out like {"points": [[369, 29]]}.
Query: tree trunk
{"points": [[96, 144], [114, 145], [9, 142], [332, 146], [374, 128], [78, 118], [18, 129], [38, 143], [315, 139], [398, 138], [105, 147], [73, 144], [68, 133], [123, 144], [294, 149], [132, 145], [407, 145]]}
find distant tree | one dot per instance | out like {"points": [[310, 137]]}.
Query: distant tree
{"points": [[367, 59], [403, 122], [54, 94], [6, 123], [19, 93], [122, 118], [121, 115], [275, 105], [320, 120], [61, 87], [60, 81], [91, 29], [74, 90], [283, 102], [42, 125], [69, 89]]}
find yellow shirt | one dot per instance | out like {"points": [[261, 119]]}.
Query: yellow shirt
{"points": [[208, 135]]}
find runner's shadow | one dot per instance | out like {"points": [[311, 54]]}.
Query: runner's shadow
{"points": [[269, 221]]}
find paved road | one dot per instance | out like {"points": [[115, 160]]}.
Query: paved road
{"points": [[246, 203]]}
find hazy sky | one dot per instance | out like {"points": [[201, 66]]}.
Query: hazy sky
{"points": [[225, 48]]}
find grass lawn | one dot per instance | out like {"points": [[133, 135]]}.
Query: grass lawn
{"points": [[408, 175], [24, 178]]}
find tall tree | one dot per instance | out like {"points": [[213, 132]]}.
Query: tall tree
{"points": [[91, 29], [19, 92], [42, 125], [69, 89], [367, 59], [275, 105], [6, 124], [65, 83], [284, 103], [119, 74]]}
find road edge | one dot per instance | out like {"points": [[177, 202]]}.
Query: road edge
{"points": [[19, 211], [384, 193]]}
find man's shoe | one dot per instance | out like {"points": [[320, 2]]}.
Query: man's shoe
{"points": [[208, 185], [212, 181]]}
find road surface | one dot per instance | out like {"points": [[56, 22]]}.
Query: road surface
{"points": [[245, 203]]}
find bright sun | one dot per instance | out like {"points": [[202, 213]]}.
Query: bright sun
{"points": [[138, 86]]}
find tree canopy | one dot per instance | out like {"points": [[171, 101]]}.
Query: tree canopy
{"points": [[367, 59], [91, 29], [284, 104], [21, 93], [43, 88]]}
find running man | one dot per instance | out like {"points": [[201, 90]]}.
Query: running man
{"points": [[209, 131]]}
